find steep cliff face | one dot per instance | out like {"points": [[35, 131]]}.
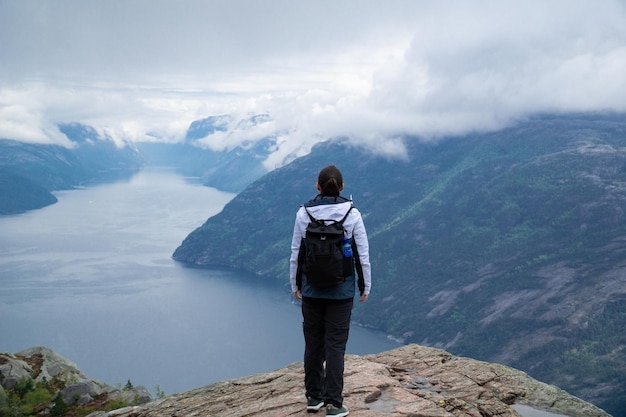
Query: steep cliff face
{"points": [[476, 243], [410, 381]]}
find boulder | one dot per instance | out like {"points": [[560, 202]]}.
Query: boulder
{"points": [[12, 369], [81, 392], [136, 395], [49, 364]]}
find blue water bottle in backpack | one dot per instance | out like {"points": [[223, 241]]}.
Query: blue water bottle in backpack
{"points": [[346, 248]]}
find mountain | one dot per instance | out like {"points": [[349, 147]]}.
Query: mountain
{"points": [[229, 166], [21, 194], [29, 172], [505, 246]]}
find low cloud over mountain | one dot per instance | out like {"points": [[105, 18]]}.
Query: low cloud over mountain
{"points": [[370, 71]]}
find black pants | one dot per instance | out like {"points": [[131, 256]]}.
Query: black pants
{"points": [[326, 327]]}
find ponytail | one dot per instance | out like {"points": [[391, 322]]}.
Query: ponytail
{"points": [[330, 181]]}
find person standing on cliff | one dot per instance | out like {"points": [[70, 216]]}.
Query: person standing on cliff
{"points": [[326, 311]]}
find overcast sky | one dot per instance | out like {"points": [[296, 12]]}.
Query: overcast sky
{"points": [[370, 70]]}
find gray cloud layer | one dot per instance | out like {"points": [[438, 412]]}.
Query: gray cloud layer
{"points": [[371, 70]]}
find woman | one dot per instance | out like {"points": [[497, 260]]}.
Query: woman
{"points": [[326, 310]]}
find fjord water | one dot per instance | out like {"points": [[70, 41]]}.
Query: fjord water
{"points": [[92, 278]]}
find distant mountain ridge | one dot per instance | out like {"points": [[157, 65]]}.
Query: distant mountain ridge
{"points": [[506, 246], [232, 168], [29, 172]]}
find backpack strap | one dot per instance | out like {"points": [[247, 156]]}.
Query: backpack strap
{"points": [[314, 220], [346, 216]]}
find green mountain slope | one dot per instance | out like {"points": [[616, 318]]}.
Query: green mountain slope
{"points": [[507, 246]]}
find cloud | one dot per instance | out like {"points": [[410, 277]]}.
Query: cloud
{"points": [[239, 133], [368, 70], [22, 117], [482, 69]]}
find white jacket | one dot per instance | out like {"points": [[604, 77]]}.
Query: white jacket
{"points": [[354, 229]]}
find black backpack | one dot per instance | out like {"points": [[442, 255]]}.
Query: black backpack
{"points": [[321, 255]]}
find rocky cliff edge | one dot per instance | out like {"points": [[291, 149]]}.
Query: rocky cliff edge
{"points": [[413, 381], [43, 365]]}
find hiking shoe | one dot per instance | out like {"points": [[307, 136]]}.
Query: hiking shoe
{"points": [[313, 405], [331, 410]]}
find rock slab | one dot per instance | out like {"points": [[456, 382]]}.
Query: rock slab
{"points": [[411, 381]]}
